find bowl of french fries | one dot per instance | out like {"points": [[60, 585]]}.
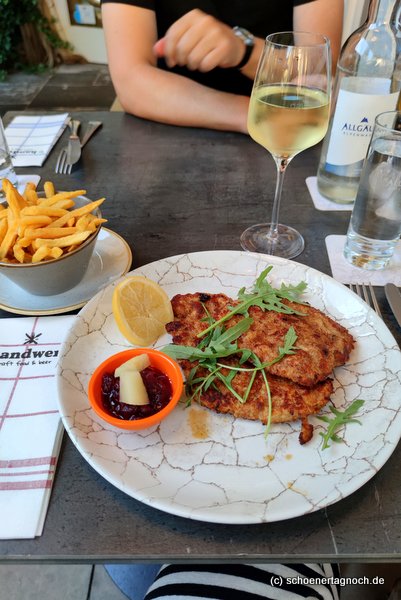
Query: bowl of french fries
{"points": [[47, 238]]}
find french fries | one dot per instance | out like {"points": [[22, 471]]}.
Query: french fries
{"points": [[35, 229]]}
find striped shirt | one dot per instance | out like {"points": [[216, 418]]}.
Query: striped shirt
{"points": [[245, 582]]}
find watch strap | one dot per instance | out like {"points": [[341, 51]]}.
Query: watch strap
{"points": [[249, 43], [247, 56]]}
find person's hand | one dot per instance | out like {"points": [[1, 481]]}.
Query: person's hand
{"points": [[200, 42]]}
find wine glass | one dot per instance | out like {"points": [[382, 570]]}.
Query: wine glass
{"points": [[288, 112]]}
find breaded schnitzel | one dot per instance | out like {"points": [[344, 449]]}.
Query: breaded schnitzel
{"points": [[298, 382]]}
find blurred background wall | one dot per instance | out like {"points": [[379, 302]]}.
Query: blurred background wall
{"points": [[88, 39]]}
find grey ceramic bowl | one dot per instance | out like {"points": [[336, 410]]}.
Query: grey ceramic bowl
{"points": [[58, 275]]}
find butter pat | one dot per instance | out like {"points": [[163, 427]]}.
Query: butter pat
{"points": [[132, 388], [137, 363]]}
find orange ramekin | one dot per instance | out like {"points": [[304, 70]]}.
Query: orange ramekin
{"points": [[160, 361]]}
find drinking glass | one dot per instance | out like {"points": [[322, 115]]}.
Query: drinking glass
{"points": [[375, 225], [288, 112], [6, 166]]}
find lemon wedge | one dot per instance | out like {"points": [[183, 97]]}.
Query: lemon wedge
{"points": [[141, 309]]}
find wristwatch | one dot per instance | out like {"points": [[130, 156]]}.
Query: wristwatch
{"points": [[249, 42]]}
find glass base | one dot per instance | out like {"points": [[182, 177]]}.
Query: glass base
{"points": [[288, 243]]}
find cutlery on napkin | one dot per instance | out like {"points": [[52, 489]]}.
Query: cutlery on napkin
{"points": [[75, 145], [30, 425], [31, 137]]}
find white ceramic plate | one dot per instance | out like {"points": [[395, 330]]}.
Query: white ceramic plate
{"points": [[234, 475], [111, 258]]}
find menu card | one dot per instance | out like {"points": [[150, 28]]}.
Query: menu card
{"points": [[30, 138], [30, 425]]}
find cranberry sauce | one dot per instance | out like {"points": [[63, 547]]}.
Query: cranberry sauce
{"points": [[157, 385]]}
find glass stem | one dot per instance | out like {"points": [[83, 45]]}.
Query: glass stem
{"points": [[281, 164]]}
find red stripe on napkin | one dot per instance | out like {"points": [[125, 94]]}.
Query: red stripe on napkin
{"points": [[28, 462], [26, 485], [20, 473], [35, 414]]}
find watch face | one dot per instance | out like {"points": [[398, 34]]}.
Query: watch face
{"points": [[245, 35]]}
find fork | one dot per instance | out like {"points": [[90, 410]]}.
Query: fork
{"points": [[61, 165], [367, 293]]}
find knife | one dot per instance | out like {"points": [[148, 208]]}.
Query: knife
{"points": [[74, 144], [394, 299], [90, 130]]}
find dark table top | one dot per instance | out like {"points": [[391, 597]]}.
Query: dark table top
{"points": [[172, 190]]}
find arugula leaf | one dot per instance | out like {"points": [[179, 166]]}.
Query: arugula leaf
{"points": [[265, 297], [289, 341], [232, 333], [340, 418], [288, 348], [220, 345], [183, 352]]}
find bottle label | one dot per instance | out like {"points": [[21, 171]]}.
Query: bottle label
{"points": [[354, 119]]}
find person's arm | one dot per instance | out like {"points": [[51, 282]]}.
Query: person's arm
{"points": [[152, 93], [322, 16], [201, 42]]}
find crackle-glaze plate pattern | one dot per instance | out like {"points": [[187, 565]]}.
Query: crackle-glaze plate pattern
{"points": [[216, 468]]}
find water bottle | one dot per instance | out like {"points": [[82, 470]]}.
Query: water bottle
{"points": [[368, 81]]}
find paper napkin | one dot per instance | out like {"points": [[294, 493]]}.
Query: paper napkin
{"points": [[30, 425], [31, 137], [346, 273], [320, 202]]}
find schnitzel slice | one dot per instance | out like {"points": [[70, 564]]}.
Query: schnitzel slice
{"points": [[322, 344], [290, 401]]}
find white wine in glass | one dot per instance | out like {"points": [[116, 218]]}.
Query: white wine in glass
{"points": [[288, 112]]}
